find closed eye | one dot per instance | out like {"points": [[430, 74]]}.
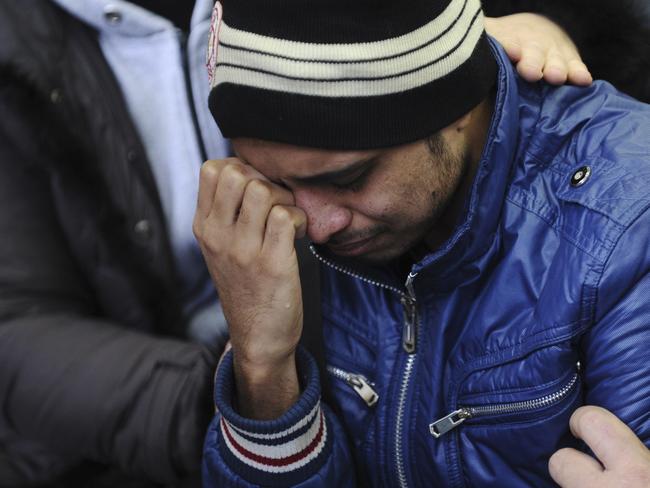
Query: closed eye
{"points": [[351, 183]]}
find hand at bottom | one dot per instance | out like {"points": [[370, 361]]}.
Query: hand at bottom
{"points": [[622, 459]]}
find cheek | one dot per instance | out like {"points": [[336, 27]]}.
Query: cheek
{"points": [[392, 205], [414, 198]]}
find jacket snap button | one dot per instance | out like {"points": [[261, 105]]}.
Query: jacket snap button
{"points": [[143, 230], [55, 96], [112, 15], [581, 176]]}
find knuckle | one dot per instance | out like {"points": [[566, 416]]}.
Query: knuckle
{"points": [[233, 174], [258, 190], [211, 249], [197, 228], [210, 170], [232, 160], [239, 258], [556, 62], [210, 241], [241, 254], [534, 49], [577, 64], [280, 215]]}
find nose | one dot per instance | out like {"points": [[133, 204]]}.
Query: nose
{"points": [[325, 217]]}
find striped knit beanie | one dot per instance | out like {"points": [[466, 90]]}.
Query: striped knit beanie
{"points": [[346, 74]]}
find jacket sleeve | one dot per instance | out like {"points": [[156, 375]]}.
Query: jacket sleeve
{"points": [[75, 385], [613, 37], [305, 447], [616, 349]]}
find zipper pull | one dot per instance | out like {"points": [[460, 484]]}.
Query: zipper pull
{"points": [[363, 389], [410, 318], [449, 422], [358, 383], [409, 333]]}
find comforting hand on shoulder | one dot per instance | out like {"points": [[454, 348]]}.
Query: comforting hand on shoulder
{"points": [[540, 48], [624, 460]]}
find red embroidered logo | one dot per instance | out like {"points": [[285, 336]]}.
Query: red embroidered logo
{"points": [[213, 43]]}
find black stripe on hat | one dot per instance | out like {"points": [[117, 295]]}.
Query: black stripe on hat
{"points": [[375, 78], [331, 21], [383, 58]]}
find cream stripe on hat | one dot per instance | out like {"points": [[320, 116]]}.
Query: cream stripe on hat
{"points": [[351, 70]]}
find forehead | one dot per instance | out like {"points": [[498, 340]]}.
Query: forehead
{"points": [[278, 160]]}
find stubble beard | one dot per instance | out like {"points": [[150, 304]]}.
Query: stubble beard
{"points": [[450, 171], [416, 238]]}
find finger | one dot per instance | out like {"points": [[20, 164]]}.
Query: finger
{"points": [[610, 439], [512, 48], [573, 469], [284, 225], [229, 194], [259, 198], [533, 57], [208, 178], [555, 68], [509, 42], [579, 74]]}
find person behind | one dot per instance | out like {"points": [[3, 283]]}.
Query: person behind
{"points": [[483, 246], [109, 324], [613, 42]]}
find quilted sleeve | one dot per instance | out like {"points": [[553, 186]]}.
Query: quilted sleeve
{"points": [[305, 447], [617, 347]]}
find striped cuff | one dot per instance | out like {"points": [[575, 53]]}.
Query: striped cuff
{"points": [[280, 452]]}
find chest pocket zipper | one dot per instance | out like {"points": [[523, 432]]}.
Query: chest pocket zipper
{"points": [[457, 417], [359, 384]]}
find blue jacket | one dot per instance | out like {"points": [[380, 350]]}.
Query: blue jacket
{"points": [[466, 372]]}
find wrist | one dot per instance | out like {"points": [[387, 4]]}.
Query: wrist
{"points": [[303, 424], [265, 389]]}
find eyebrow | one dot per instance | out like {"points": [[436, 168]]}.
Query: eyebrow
{"points": [[330, 176]]}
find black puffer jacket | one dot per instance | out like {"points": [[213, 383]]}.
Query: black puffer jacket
{"points": [[92, 364]]}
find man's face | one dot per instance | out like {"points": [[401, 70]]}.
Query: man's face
{"points": [[375, 204]]}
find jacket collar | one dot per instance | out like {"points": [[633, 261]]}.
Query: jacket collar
{"points": [[462, 255]]}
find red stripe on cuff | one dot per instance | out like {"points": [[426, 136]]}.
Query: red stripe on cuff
{"points": [[279, 461]]}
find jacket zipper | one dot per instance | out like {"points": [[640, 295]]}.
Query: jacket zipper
{"points": [[408, 300], [359, 384], [399, 425], [409, 343], [409, 333], [409, 339], [457, 417]]}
